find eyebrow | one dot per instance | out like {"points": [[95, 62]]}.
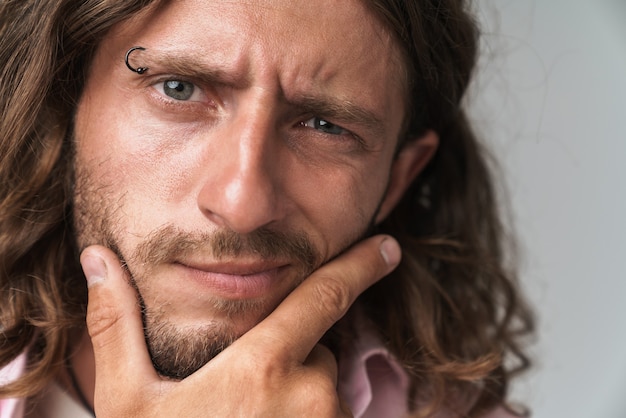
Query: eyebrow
{"points": [[191, 66], [338, 110]]}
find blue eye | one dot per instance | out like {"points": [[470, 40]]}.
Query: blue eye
{"points": [[179, 90], [324, 126]]}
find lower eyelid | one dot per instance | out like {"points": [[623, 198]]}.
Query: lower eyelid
{"points": [[207, 107]]}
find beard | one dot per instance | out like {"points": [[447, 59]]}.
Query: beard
{"points": [[178, 351]]}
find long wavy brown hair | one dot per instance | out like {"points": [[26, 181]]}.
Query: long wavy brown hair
{"points": [[451, 313]]}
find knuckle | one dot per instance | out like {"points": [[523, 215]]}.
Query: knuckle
{"points": [[334, 295], [320, 394], [325, 354], [102, 319]]}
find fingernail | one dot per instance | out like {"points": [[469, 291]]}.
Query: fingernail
{"points": [[94, 268], [390, 250]]}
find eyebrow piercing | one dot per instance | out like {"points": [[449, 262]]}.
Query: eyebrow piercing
{"points": [[138, 70]]}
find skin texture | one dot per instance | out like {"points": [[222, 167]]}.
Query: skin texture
{"points": [[221, 204]]}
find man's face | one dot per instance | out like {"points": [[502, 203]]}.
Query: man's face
{"points": [[257, 146]]}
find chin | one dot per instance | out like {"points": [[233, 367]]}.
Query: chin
{"points": [[179, 349]]}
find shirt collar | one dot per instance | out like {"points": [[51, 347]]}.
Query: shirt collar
{"points": [[371, 381]]}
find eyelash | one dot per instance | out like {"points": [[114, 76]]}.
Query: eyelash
{"points": [[158, 87], [346, 137], [322, 122]]}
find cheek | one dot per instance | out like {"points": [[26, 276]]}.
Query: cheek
{"points": [[134, 153], [339, 204], [117, 178]]}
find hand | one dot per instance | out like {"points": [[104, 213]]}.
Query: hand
{"points": [[275, 369]]}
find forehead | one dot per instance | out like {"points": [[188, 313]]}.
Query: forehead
{"points": [[296, 47]]}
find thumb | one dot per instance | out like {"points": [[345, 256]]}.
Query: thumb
{"points": [[114, 325]]}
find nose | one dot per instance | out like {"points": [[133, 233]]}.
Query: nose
{"points": [[242, 185]]}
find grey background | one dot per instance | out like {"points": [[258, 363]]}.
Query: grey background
{"points": [[551, 100]]}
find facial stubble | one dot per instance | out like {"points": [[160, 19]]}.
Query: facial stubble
{"points": [[177, 351]]}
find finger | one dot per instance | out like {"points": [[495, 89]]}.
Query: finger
{"points": [[114, 323], [314, 384], [323, 360], [324, 297]]}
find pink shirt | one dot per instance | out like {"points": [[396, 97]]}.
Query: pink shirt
{"points": [[373, 383], [12, 407]]}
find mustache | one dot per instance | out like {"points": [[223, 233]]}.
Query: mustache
{"points": [[169, 244]]}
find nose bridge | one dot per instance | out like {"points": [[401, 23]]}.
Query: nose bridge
{"points": [[243, 193]]}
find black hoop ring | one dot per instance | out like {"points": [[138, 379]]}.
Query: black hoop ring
{"points": [[138, 70]]}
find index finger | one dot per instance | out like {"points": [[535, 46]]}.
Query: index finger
{"points": [[323, 298]]}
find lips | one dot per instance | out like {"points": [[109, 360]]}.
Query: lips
{"points": [[235, 279]]}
